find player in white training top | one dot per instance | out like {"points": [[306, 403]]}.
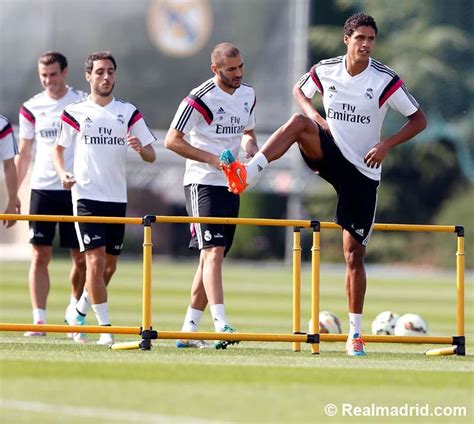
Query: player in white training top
{"points": [[100, 129], [217, 115], [8, 150], [345, 147], [39, 121]]}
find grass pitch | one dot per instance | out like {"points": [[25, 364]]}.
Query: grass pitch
{"points": [[51, 380]]}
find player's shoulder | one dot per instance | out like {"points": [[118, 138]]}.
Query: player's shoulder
{"points": [[77, 94], [329, 63], [4, 121], [381, 69], [35, 100], [80, 103], [5, 127], [76, 106], [125, 105], [206, 89], [247, 89]]}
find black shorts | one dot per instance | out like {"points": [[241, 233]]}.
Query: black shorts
{"points": [[356, 193], [96, 235], [215, 201], [52, 202]]}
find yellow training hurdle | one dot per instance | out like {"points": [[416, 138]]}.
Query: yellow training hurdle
{"points": [[297, 337]]}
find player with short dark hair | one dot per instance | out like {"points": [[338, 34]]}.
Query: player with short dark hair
{"points": [[8, 151], [99, 130], [217, 115], [39, 121], [346, 147]]}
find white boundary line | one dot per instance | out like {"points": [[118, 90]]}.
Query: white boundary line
{"points": [[97, 413]]}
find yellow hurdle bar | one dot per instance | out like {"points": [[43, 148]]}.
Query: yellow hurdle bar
{"points": [[315, 286], [401, 227], [147, 259], [296, 286], [69, 218], [442, 351], [391, 339], [242, 221], [248, 337], [460, 285], [313, 338], [210, 220], [51, 328]]}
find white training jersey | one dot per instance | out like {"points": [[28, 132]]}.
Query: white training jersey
{"points": [[39, 120], [8, 146], [98, 136], [213, 120], [356, 106]]}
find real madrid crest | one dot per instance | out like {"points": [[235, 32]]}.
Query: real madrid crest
{"points": [[179, 28]]}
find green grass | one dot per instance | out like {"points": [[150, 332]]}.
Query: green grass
{"points": [[51, 380]]}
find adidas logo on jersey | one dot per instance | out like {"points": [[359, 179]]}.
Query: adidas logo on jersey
{"points": [[332, 88], [221, 110], [88, 120]]}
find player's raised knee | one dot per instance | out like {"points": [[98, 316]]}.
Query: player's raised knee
{"points": [[299, 122]]}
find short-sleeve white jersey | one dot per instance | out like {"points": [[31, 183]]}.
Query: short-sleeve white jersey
{"points": [[355, 107], [98, 136], [213, 120], [8, 146], [39, 120]]}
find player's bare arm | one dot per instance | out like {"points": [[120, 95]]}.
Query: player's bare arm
{"points": [[415, 124], [175, 141], [147, 153], [23, 160], [13, 205], [249, 143], [67, 179], [307, 106]]}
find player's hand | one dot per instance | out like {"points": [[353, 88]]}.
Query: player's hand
{"points": [[250, 150], [376, 155], [11, 208], [135, 143], [215, 162], [68, 180]]}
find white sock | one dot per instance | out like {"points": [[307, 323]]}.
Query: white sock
{"points": [[72, 301], [102, 313], [218, 316], [192, 319], [355, 324], [256, 165], [39, 315], [83, 304]]}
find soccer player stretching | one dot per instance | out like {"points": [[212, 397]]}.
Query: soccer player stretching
{"points": [[346, 148], [217, 115]]}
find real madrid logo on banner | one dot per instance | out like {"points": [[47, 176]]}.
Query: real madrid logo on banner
{"points": [[179, 27]]}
